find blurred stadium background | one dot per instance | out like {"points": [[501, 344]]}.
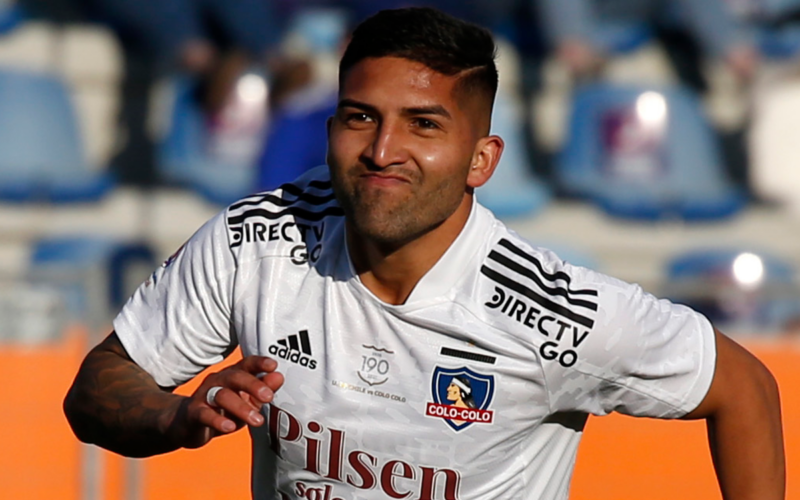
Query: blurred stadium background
{"points": [[659, 162]]}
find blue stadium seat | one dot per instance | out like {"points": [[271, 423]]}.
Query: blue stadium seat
{"points": [[737, 289], [41, 153], [322, 28], [645, 153], [95, 275], [622, 37], [513, 190], [186, 158], [11, 16], [779, 43]]}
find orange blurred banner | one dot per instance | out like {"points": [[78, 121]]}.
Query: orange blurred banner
{"points": [[621, 458]]}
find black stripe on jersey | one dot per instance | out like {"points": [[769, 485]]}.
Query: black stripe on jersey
{"points": [[542, 301], [305, 343], [297, 342], [472, 356], [550, 276], [298, 212], [291, 189], [555, 291]]}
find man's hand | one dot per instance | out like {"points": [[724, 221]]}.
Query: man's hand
{"points": [[115, 404], [245, 387]]}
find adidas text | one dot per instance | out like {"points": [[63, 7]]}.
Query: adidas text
{"points": [[293, 356]]}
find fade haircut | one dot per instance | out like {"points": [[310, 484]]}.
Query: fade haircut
{"points": [[441, 42]]}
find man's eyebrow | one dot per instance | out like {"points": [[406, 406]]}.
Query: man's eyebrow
{"points": [[350, 103], [436, 109]]}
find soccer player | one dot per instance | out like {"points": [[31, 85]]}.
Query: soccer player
{"points": [[377, 281]]}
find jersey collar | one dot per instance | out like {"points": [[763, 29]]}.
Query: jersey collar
{"points": [[450, 268]]}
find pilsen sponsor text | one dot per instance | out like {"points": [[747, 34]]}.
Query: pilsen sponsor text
{"points": [[358, 468]]}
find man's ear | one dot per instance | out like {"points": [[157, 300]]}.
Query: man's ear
{"points": [[328, 124], [484, 160]]}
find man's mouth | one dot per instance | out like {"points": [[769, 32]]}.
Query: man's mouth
{"points": [[380, 179]]}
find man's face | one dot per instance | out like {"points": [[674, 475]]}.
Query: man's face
{"points": [[400, 148], [453, 392]]}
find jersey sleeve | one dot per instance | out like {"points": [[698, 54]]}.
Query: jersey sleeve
{"points": [[178, 322], [643, 356]]}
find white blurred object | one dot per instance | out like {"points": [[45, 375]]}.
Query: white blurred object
{"points": [[251, 89], [317, 35], [646, 65], [652, 109], [727, 101], [31, 46], [90, 59], [97, 116], [773, 138], [552, 107], [90, 54], [748, 270], [237, 136], [509, 67]]}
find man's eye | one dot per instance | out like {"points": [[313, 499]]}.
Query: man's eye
{"points": [[424, 123], [358, 118]]}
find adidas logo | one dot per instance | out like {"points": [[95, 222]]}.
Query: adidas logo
{"points": [[295, 348]]}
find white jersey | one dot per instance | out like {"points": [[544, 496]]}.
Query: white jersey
{"points": [[478, 387]]}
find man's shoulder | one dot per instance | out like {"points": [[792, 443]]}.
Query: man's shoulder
{"points": [[509, 253], [524, 287], [299, 213], [510, 256]]}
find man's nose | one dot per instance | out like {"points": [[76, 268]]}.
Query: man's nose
{"points": [[388, 147]]}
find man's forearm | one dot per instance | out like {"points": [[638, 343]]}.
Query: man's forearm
{"points": [[747, 445], [115, 404], [743, 412]]}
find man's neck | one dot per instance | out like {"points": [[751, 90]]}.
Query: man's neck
{"points": [[392, 273]]}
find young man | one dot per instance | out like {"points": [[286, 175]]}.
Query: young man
{"points": [[378, 283]]}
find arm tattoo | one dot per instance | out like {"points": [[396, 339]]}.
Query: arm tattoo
{"points": [[115, 404]]}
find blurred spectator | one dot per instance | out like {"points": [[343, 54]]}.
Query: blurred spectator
{"points": [[296, 141], [700, 42], [574, 25], [215, 40]]}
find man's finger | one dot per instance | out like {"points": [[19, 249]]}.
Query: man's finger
{"points": [[207, 417], [236, 407], [247, 398], [258, 364], [237, 380], [273, 380]]}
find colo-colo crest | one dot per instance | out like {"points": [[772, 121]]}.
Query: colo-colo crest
{"points": [[461, 397]]}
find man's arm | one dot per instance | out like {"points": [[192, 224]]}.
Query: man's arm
{"points": [[742, 409], [115, 404]]}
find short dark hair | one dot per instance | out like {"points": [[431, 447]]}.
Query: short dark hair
{"points": [[441, 42]]}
